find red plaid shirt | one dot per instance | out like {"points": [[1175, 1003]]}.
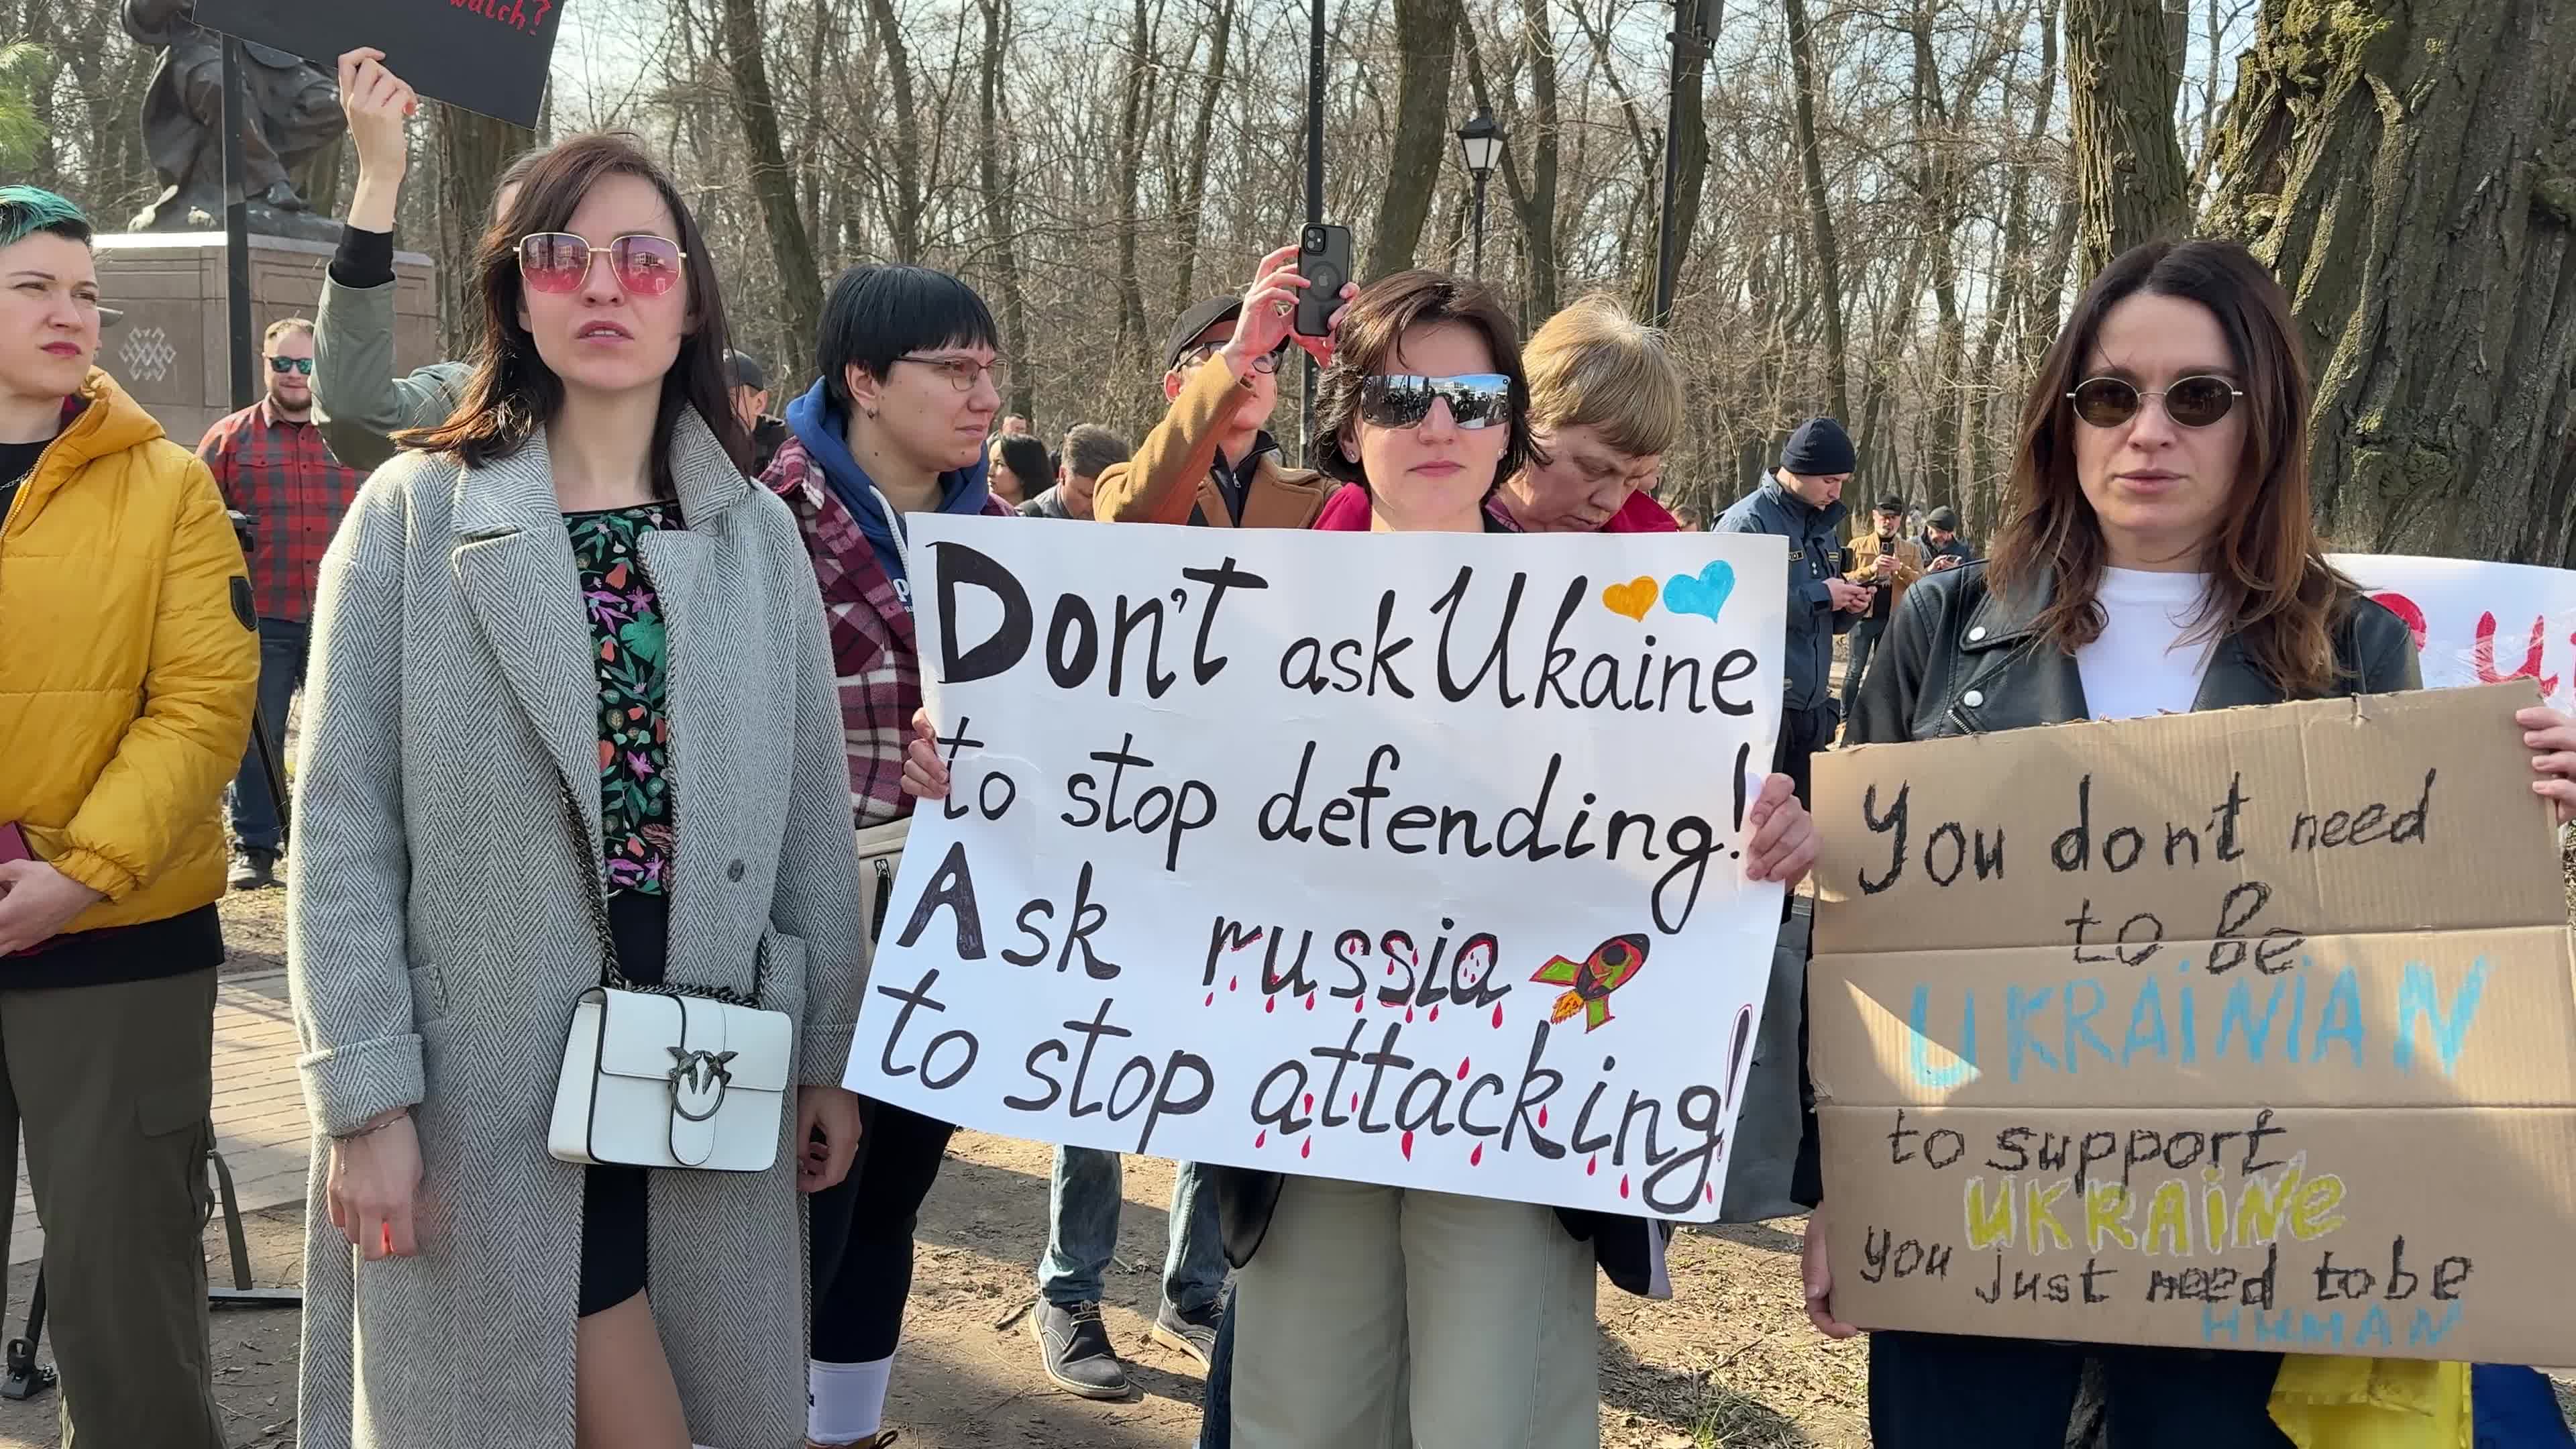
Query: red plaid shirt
{"points": [[282, 475], [874, 650]]}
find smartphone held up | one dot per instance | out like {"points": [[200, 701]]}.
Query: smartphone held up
{"points": [[1324, 260]]}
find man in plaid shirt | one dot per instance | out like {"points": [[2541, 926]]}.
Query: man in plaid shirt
{"points": [[272, 464]]}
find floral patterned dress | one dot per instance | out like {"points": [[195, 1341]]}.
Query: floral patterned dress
{"points": [[634, 733]]}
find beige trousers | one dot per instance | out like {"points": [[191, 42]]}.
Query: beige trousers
{"points": [[1384, 1318]]}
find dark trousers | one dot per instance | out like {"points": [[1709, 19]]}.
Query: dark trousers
{"points": [[1864, 639], [284, 645], [110, 1088], [1216, 1416], [862, 1235], [1802, 733], [1948, 1391]]}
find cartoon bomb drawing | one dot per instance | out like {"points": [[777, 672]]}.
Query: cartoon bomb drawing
{"points": [[1613, 964]]}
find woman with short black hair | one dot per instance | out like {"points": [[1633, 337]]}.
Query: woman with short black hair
{"points": [[910, 380]]}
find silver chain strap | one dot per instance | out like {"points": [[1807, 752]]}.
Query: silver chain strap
{"points": [[596, 898]]}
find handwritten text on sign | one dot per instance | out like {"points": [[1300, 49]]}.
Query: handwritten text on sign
{"points": [[2233, 1030], [2480, 623], [1404, 859]]}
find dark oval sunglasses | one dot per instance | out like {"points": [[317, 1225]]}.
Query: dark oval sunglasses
{"points": [[558, 261], [1398, 400], [2192, 402], [291, 364]]}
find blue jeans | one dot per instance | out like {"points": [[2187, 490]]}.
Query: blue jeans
{"points": [[283, 647], [1082, 1232]]}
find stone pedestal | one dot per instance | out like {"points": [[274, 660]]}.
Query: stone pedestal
{"points": [[172, 351]]}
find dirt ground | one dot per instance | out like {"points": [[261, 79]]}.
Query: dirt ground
{"points": [[1729, 1362]]}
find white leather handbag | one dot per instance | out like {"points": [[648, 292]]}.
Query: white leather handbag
{"points": [[660, 1079], [670, 1075]]}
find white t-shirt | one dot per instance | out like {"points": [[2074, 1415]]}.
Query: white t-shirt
{"points": [[2142, 664]]}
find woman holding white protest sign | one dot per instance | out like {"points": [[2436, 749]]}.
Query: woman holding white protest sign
{"points": [[2161, 557], [572, 760], [1378, 1316]]}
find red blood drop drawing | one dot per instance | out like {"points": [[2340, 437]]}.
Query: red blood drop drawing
{"points": [[1462, 1069], [1359, 1005], [1310, 1101], [1712, 1192], [1477, 1157], [1355, 1101], [1408, 1013], [1405, 1143], [1211, 1001], [1623, 1185], [1435, 1013], [1262, 1138], [1542, 1116], [1498, 1014], [1591, 1165], [1232, 982], [1306, 1148], [1270, 1005], [1310, 1001]]}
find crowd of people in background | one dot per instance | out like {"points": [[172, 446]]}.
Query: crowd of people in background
{"points": [[515, 589]]}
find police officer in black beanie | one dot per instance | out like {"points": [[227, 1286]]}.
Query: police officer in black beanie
{"points": [[1802, 502]]}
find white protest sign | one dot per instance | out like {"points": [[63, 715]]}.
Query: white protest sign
{"points": [[1403, 859], [2479, 623]]}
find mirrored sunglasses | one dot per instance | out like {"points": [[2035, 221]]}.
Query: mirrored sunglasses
{"points": [[1399, 400]]}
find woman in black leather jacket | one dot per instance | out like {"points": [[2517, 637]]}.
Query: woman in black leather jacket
{"points": [[2161, 556]]}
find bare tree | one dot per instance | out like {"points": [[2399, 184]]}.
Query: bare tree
{"points": [[2124, 70], [1820, 217], [791, 246], [1130, 169], [904, 215], [1000, 205], [1426, 36]]}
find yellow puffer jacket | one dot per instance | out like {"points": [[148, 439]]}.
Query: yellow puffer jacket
{"points": [[129, 658]]}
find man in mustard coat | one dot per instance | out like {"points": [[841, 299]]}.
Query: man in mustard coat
{"points": [[126, 679]]}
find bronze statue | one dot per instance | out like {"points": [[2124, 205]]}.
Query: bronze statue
{"points": [[294, 113]]}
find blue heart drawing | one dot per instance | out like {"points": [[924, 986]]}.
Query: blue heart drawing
{"points": [[1705, 594]]}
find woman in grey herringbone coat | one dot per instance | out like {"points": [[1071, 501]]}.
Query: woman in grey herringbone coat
{"points": [[570, 689]]}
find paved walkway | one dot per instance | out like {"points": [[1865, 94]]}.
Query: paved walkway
{"points": [[259, 1105]]}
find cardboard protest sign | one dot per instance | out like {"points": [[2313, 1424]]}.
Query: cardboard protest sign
{"points": [[2480, 623], [1409, 859], [489, 56], [2249, 1029]]}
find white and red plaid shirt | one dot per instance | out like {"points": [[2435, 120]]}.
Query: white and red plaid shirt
{"points": [[874, 650]]}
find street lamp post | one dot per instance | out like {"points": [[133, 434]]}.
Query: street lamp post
{"points": [[1480, 144]]}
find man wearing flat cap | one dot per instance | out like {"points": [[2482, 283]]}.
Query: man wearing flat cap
{"points": [[1802, 502], [1211, 461]]}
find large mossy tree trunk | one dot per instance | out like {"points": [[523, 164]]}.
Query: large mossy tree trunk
{"points": [[2408, 169]]}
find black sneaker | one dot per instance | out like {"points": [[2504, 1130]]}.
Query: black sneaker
{"points": [[1193, 1333], [1073, 1347], [254, 869]]}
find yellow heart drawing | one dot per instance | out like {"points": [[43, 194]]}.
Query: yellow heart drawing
{"points": [[1632, 598]]}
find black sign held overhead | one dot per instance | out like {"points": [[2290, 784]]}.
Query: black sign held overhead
{"points": [[485, 55]]}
